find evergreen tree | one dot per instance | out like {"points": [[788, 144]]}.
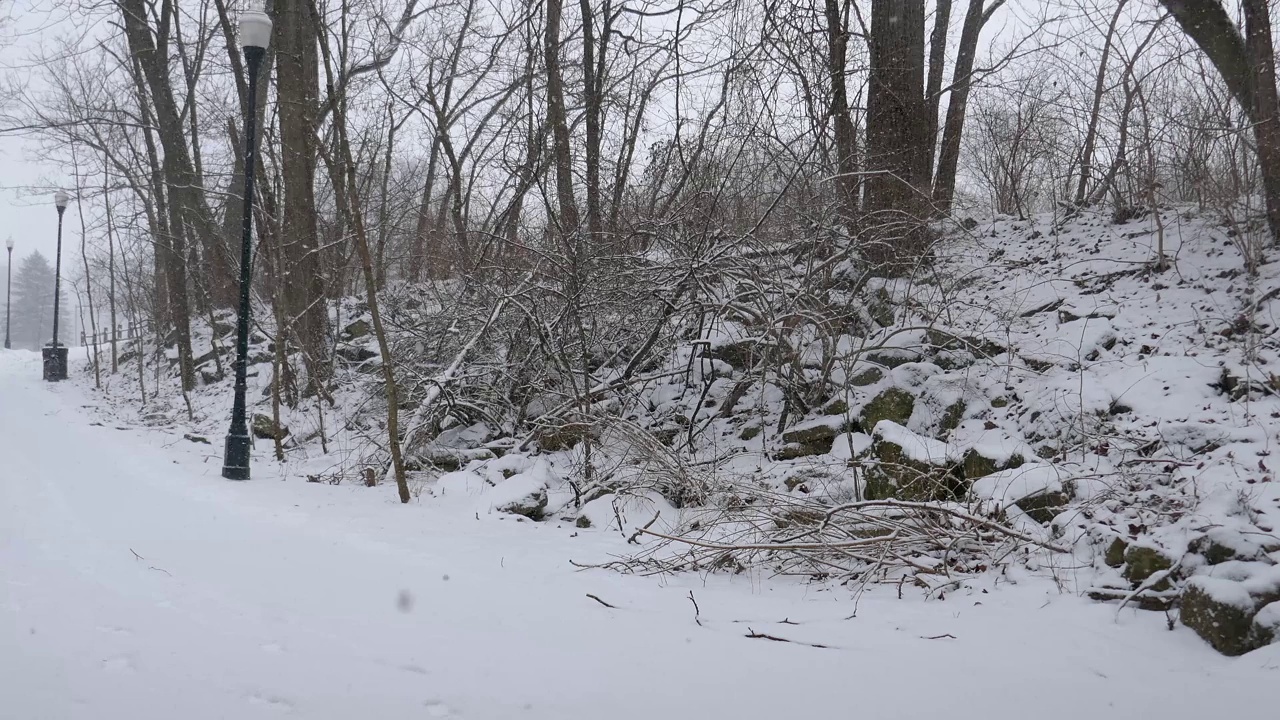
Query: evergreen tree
{"points": [[32, 311]]}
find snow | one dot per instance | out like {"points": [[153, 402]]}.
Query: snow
{"points": [[914, 447], [1009, 486], [137, 583]]}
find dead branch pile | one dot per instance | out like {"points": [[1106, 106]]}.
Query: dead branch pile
{"points": [[929, 543]]}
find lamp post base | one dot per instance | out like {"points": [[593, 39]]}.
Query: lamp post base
{"points": [[235, 459], [55, 363]]}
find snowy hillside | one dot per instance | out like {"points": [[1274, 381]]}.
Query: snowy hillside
{"points": [[1069, 407]]}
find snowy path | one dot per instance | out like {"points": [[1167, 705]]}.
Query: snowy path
{"points": [[135, 583]]}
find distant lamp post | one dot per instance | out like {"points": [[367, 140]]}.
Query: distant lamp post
{"points": [[255, 33], [8, 292], [55, 356]]}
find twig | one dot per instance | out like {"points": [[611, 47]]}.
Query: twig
{"points": [[611, 607], [763, 636], [639, 531], [938, 637], [696, 612]]}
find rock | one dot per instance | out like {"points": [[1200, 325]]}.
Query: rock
{"points": [[869, 376], [744, 354], [952, 416], [1114, 556], [980, 462], [355, 353], [197, 439], [209, 378], [909, 467], [893, 404], [979, 347], [553, 438], [813, 437], [999, 402], [880, 308], [583, 522], [520, 495], [264, 428], [1141, 562], [223, 328], [893, 357], [357, 329], [817, 430], [1043, 507], [1223, 613], [1222, 544], [750, 432], [836, 406]]}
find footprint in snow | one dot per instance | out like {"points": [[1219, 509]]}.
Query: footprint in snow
{"points": [[437, 709], [113, 630], [271, 701]]}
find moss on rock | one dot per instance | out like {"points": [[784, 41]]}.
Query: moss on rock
{"points": [[893, 404]]}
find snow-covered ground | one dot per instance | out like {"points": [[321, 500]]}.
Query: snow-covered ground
{"points": [[136, 583]]}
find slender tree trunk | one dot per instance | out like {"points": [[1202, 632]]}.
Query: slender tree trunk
{"points": [[558, 117], [111, 270], [937, 63], [1095, 111], [944, 184], [846, 136]]}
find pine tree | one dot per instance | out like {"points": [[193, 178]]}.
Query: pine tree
{"points": [[32, 311]]}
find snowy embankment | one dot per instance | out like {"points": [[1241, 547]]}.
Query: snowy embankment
{"points": [[137, 583]]}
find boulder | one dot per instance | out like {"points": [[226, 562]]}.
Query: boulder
{"points": [[978, 347], [908, 466], [983, 461], [264, 428], [1227, 614], [1114, 556], [893, 404], [1141, 562], [520, 494], [868, 376], [355, 353], [813, 437], [553, 438], [357, 329]]}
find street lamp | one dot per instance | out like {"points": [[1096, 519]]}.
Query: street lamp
{"points": [[255, 33], [55, 357], [8, 292]]}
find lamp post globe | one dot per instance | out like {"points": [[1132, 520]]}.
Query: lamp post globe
{"points": [[55, 355], [8, 291], [255, 33]]}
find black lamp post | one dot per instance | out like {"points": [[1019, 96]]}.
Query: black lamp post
{"points": [[55, 356], [255, 33], [8, 292]]}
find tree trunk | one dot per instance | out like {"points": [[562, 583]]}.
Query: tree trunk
{"points": [[897, 147], [1247, 66], [846, 165], [556, 115], [937, 62], [944, 184], [297, 88], [1099, 88]]}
